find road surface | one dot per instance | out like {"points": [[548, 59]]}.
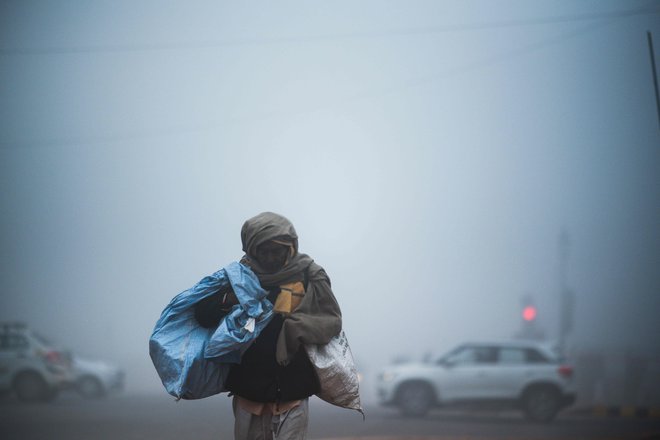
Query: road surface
{"points": [[159, 417]]}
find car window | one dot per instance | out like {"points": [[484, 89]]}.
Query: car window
{"points": [[13, 342], [42, 340], [535, 357], [512, 356], [472, 355]]}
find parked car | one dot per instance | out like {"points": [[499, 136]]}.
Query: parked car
{"points": [[95, 379], [30, 365], [523, 375]]}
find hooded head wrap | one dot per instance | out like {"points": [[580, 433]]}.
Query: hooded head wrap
{"points": [[266, 226], [318, 317], [269, 226]]}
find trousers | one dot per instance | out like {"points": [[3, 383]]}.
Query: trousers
{"points": [[290, 425]]}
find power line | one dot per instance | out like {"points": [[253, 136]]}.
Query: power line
{"points": [[362, 96], [119, 48]]}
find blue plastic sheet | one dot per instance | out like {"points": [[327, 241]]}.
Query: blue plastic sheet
{"points": [[245, 321], [193, 361]]}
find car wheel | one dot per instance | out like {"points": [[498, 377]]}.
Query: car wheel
{"points": [[31, 387], [90, 387], [415, 399], [541, 404]]}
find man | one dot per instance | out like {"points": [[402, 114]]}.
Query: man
{"points": [[275, 378]]}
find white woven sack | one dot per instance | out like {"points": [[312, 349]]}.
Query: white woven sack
{"points": [[336, 371]]}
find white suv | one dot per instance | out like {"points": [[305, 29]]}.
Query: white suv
{"points": [[30, 366], [522, 375]]}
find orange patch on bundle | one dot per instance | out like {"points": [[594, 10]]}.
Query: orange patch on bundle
{"points": [[290, 297]]}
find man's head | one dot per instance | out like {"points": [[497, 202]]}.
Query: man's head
{"points": [[273, 255], [270, 240]]}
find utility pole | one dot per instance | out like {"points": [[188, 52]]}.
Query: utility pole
{"points": [[655, 74], [566, 295]]}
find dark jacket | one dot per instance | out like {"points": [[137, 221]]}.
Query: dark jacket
{"points": [[259, 377]]}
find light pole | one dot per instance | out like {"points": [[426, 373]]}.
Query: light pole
{"points": [[566, 295]]}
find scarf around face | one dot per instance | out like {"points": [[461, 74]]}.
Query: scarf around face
{"points": [[318, 317]]}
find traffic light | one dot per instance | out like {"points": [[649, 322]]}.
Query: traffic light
{"points": [[529, 313], [530, 328]]}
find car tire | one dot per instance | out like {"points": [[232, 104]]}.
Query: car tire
{"points": [[541, 404], [31, 387], [414, 399], [90, 387]]}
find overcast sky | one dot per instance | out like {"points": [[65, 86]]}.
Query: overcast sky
{"points": [[429, 154]]}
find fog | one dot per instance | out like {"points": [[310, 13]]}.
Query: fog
{"points": [[429, 154]]}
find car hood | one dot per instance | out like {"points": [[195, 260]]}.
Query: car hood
{"points": [[93, 366], [409, 366]]}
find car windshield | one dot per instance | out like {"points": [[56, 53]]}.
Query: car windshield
{"points": [[443, 358], [41, 339]]}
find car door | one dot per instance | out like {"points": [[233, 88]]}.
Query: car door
{"points": [[516, 366], [12, 356], [509, 373], [5, 356], [466, 372]]}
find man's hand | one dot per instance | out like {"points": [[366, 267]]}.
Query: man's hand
{"points": [[228, 299]]}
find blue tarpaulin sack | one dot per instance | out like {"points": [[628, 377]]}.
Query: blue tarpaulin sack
{"points": [[245, 321], [193, 361]]}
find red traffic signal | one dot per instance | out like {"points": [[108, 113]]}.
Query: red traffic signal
{"points": [[529, 313]]}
